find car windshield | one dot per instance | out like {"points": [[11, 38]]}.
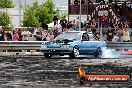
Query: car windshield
{"points": [[69, 36]]}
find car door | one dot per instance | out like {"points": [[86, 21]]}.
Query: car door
{"points": [[93, 43], [84, 45]]}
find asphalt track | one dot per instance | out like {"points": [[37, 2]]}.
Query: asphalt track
{"points": [[59, 72]]}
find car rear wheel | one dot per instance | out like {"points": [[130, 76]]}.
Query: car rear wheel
{"points": [[75, 53], [98, 53], [47, 55]]}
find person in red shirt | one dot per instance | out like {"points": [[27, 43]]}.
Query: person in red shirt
{"points": [[104, 24], [15, 36]]}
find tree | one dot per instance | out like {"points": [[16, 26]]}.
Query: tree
{"points": [[30, 18], [4, 19], [40, 14], [4, 16], [46, 12], [6, 4]]}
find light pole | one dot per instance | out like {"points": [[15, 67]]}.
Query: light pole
{"points": [[25, 3], [80, 16], [19, 12]]}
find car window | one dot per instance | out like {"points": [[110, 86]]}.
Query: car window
{"points": [[69, 36], [85, 37], [95, 38], [91, 37]]}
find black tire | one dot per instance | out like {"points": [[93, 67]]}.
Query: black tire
{"points": [[74, 53], [47, 55], [98, 53]]}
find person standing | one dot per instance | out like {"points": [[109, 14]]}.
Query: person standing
{"points": [[126, 35], [51, 36], [44, 35], [56, 29], [87, 24], [25, 35], [9, 36], [59, 27], [93, 26], [38, 34], [1, 35], [19, 32], [63, 22], [15, 36], [104, 24], [109, 34]]}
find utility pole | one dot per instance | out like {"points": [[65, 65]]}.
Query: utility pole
{"points": [[80, 16], [25, 3], [19, 12]]}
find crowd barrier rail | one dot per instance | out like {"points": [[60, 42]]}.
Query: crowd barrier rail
{"points": [[120, 45], [35, 45]]}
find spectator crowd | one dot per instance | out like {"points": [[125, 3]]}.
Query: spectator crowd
{"points": [[113, 30]]}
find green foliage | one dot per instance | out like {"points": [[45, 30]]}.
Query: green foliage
{"points": [[30, 18], [57, 12], [4, 19], [40, 14], [6, 4], [4, 16]]}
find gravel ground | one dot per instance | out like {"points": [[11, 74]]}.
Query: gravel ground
{"points": [[38, 72]]}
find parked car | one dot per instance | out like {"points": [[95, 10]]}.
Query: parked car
{"points": [[74, 43]]}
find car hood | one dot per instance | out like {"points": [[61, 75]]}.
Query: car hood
{"points": [[58, 43]]}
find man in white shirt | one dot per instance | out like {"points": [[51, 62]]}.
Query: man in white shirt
{"points": [[56, 29], [59, 27], [25, 35]]}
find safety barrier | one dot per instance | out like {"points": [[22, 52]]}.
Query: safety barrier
{"points": [[120, 45], [20, 45], [35, 45]]}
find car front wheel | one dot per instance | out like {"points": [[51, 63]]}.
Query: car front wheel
{"points": [[75, 53], [47, 55]]}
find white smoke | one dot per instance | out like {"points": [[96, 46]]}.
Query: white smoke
{"points": [[109, 53]]}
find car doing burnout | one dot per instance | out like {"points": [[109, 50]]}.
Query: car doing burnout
{"points": [[73, 43]]}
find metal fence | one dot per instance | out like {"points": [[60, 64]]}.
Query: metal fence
{"points": [[35, 45], [120, 45], [20, 45]]}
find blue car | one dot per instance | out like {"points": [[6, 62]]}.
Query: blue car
{"points": [[73, 43]]}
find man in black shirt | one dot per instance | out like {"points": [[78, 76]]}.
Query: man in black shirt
{"points": [[45, 26], [1, 35], [63, 22]]}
